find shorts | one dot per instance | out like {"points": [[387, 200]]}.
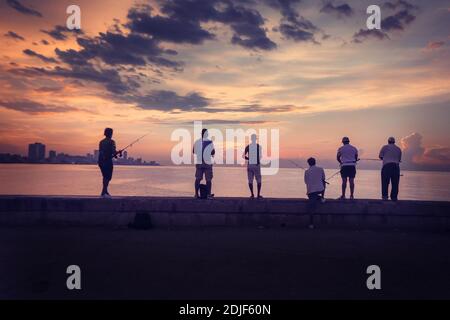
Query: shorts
{"points": [[107, 170], [203, 169], [348, 172], [254, 172]]}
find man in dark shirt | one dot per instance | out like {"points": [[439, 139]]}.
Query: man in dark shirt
{"points": [[107, 151], [252, 153]]}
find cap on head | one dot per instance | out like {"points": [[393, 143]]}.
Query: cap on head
{"points": [[311, 161], [345, 140], [108, 132], [391, 140]]}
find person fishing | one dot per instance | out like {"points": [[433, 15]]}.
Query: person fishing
{"points": [[391, 155], [347, 156], [252, 154], [107, 151], [315, 182], [315, 188], [203, 151]]}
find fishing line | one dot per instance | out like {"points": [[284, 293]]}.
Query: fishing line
{"points": [[135, 141]]}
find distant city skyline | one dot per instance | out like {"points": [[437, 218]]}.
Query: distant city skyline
{"points": [[36, 154]]}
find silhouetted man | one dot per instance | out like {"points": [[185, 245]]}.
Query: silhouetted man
{"points": [[315, 181], [347, 156], [107, 151], [390, 173], [315, 188], [252, 153], [204, 151]]}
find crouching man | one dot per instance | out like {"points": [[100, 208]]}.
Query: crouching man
{"points": [[315, 187]]}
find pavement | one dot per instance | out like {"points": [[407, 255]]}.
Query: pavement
{"points": [[222, 263]]}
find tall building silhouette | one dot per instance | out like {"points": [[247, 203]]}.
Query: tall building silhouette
{"points": [[36, 152]]}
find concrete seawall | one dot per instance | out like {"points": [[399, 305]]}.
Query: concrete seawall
{"points": [[232, 212]]}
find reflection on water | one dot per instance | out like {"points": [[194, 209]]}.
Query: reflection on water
{"points": [[179, 181]]}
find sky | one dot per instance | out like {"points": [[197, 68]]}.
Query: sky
{"points": [[310, 69]]}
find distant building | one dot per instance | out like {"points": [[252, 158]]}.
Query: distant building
{"points": [[36, 152]]}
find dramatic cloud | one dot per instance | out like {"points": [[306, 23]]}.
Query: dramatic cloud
{"points": [[293, 26], [166, 100], [415, 154], [32, 53], [364, 34], [182, 20], [398, 21], [343, 10], [117, 49], [15, 4], [395, 22], [412, 148], [33, 107], [167, 29], [399, 4], [169, 101], [109, 78], [59, 32], [438, 155], [13, 35], [141, 46]]}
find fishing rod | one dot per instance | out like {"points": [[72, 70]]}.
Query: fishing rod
{"points": [[356, 162], [132, 143], [335, 174], [297, 165]]}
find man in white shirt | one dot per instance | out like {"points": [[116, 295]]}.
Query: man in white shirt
{"points": [[347, 156], [315, 181], [390, 173], [204, 151], [315, 188], [252, 154]]}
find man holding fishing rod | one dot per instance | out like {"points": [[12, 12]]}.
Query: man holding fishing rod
{"points": [[204, 152], [391, 155], [347, 156], [315, 187], [107, 152]]}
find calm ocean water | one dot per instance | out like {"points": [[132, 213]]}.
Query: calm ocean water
{"points": [[27, 179]]}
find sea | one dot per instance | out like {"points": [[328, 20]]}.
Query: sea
{"points": [[173, 181]]}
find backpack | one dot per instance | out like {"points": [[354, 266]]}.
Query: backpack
{"points": [[203, 191]]}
